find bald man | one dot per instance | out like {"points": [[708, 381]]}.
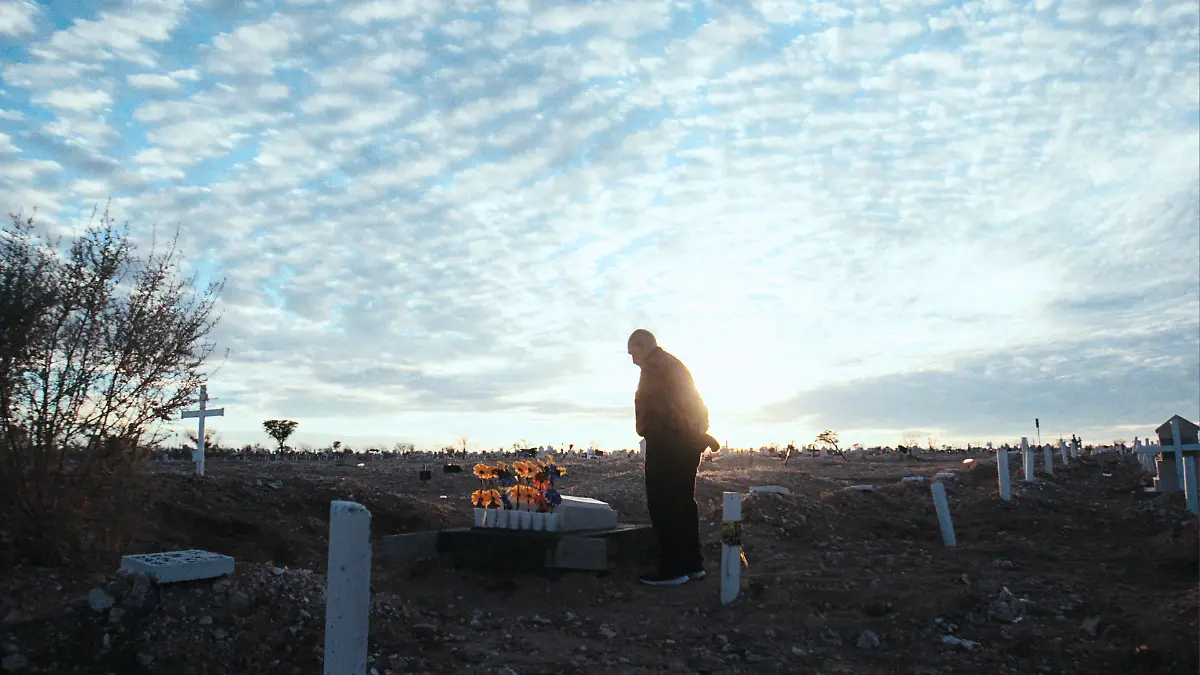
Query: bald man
{"points": [[673, 419]]}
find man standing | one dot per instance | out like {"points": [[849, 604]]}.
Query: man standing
{"points": [[673, 419]]}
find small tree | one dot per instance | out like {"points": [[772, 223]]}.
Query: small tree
{"points": [[280, 430], [99, 348], [828, 437], [337, 445], [463, 441]]}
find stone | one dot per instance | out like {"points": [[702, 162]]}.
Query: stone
{"points": [[769, 489], [177, 566], [99, 600], [424, 631], [868, 640], [14, 663], [1090, 625], [958, 642], [16, 617], [115, 615], [1002, 611], [607, 632]]}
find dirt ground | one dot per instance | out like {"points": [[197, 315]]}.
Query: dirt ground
{"points": [[1083, 572]]}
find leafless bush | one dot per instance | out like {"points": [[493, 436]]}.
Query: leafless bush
{"points": [[98, 347]]}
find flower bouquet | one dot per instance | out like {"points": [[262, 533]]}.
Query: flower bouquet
{"points": [[525, 500]]}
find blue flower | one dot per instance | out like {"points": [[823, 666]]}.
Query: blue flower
{"points": [[553, 497]]}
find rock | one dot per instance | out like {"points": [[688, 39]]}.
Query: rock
{"points": [[15, 617], [1002, 611], [424, 631], [868, 640], [206, 621], [13, 663], [115, 615], [958, 642], [830, 637], [1090, 625], [220, 633], [607, 632], [99, 600], [145, 659], [239, 602]]}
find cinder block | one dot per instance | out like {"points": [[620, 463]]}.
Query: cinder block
{"points": [[174, 566]]}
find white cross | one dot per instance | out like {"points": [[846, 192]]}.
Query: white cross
{"points": [[198, 456]]}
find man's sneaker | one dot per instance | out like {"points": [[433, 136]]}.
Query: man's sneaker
{"points": [[657, 579], [698, 576]]}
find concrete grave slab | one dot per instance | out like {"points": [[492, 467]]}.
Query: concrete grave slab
{"points": [[769, 489], [176, 566], [584, 513]]}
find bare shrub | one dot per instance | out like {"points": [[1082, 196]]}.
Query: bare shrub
{"points": [[98, 347]]}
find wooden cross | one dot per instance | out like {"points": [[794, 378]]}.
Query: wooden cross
{"points": [[203, 412]]}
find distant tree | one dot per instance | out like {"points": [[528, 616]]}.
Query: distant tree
{"points": [[828, 437], [211, 439], [337, 445], [1119, 441], [933, 443], [463, 440], [280, 430]]}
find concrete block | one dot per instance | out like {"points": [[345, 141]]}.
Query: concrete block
{"points": [[406, 549], [579, 553], [176, 566]]}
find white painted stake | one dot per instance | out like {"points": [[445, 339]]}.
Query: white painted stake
{"points": [[1048, 459], [1190, 485], [1002, 474], [348, 595], [731, 556], [1062, 449], [942, 506], [1027, 456]]}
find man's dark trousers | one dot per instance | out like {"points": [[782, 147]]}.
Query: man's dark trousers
{"points": [[671, 464]]}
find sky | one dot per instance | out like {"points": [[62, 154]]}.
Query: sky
{"points": [[437, 218]]}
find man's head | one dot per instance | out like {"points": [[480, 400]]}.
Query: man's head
{"points": [[640, 344]]}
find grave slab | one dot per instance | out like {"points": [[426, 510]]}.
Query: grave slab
{"points": [[176, 566], [528, 550], [769, 489], [577, 514]]}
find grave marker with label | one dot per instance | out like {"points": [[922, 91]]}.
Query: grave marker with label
{"points": [[201, 414]]}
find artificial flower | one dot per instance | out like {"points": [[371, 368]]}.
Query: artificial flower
{"points": [[477, 498], [483, 471]]}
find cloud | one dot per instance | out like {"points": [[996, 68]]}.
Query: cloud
{"points": [[446, 217], [17, 17]]}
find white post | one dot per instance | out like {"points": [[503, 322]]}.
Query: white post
{"points": [[1190, 485], [942, 506], [731, 556], [202, 413], [1062, 450], [1027, 456], [1177, 442], [1002, 474], [348, 594], [1048, 458]]}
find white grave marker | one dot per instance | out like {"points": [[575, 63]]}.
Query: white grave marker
{"points": [[1027, 456], [202, 413], [731, 556], [1062, 449], [942, 506], [1002, 474], [1048, 459], [348, 595]]}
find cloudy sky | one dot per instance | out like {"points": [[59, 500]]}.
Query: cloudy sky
{"points": [[443, 217]]}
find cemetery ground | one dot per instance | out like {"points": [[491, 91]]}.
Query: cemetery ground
{"points": [[1082, 572]]}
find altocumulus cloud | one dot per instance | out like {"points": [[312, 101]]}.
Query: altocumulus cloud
{"points": [[445, 217]]}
